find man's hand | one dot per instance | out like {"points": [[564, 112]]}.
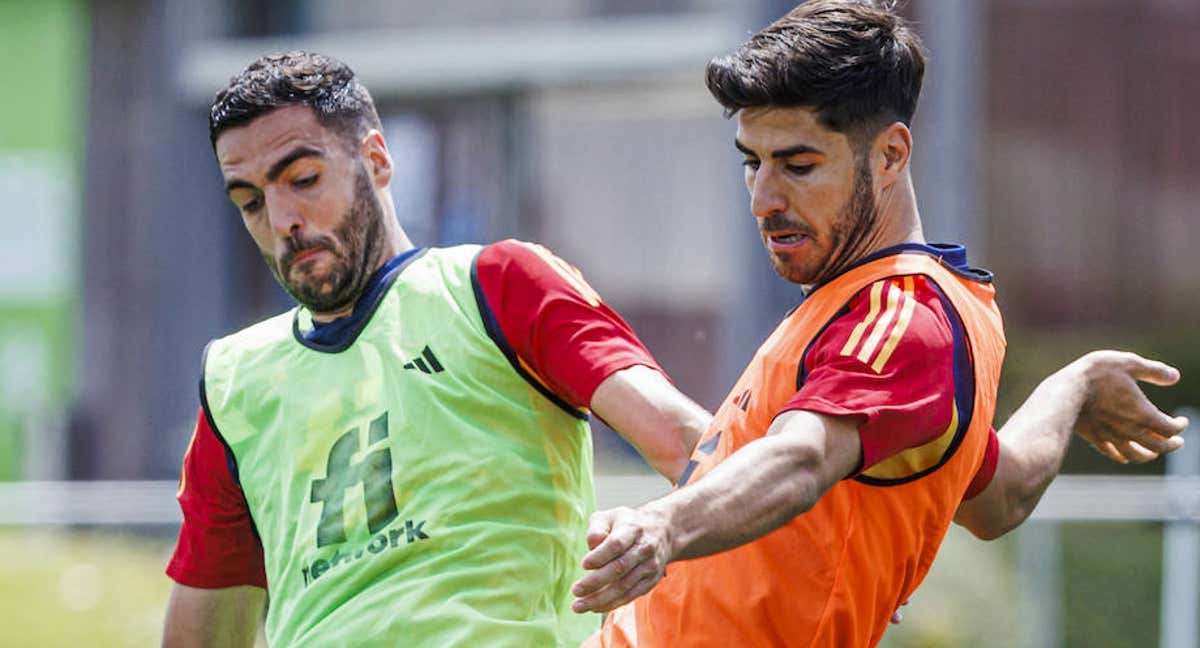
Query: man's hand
{"points": [[630, 549], [1098, 398], [1116, 417]]}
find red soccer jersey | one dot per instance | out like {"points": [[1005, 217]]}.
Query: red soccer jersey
{"points": [[555, 323], [898, 367]]}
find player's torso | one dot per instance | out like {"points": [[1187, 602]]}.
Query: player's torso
{"points": [[832, 576], [410, 488]]}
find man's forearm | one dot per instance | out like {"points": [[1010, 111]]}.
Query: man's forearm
{"points": [[755, 490], [1034, 440], [758, 489], [649, 412]]}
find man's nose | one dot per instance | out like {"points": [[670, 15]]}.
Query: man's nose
{"points": [[765, 197], [284, 215]]}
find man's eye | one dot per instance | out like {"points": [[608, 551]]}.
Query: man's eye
{"points": [[750, 163], [306, 181], [799, 169], [252, 206]]}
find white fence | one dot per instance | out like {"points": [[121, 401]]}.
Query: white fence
{"points": [[1071, 498]]}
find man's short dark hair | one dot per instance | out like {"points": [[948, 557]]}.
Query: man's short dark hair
{"points": [[324, 84], [856, 63]]}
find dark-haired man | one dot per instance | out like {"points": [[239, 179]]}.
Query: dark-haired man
{"points": [[404, 459], [816, 502]]}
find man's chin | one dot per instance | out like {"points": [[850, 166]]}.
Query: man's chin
{"points": [[791, 272], [321, 298]]}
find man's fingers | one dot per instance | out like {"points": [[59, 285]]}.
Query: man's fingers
{"points": [[633, 585], [1157, 443], [1135, 452], [1108, 449], [1158, 421], [1153, 371], [598, 527], [619, 540], [609, 573]]}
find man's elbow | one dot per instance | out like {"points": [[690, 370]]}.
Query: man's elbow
{"points": [[995, 523], [988, 531]]}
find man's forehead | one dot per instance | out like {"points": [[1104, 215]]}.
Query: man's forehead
{"points": [[780, 127], [265, 138]]}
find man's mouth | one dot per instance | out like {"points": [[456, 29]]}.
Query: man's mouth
{"points": [[304, 255], [785, 240]]}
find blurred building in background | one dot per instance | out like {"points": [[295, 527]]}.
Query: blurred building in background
{"points": [[1053, 137]]}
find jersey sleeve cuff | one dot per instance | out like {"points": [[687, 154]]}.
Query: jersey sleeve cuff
{"points": [[588, 384]]}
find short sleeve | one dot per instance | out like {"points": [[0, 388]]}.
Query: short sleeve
{"points": [[889, 362], [987, 469], [218, 545], [554, 321]]}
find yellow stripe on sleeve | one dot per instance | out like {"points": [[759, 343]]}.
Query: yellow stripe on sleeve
{"points": [[893, 340], [907, 463], [856, 334], [868, 347]]}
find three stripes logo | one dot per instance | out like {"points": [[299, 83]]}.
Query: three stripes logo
{"points": [[881, 331], [425, 363]]}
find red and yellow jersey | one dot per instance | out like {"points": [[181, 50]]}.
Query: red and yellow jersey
{"points": [[553, 327], [910, 347]]}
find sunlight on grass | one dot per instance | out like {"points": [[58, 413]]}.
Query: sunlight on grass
{"points": [[73, 588]]}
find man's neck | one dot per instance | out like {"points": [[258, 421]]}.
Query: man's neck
{"points": [[899, 220], [896, 222]]}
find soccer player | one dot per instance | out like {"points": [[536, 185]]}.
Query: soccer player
{"points": [[404, 459], [816, 501]]}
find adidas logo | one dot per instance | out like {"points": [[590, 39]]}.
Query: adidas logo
{"points": [[743, 400], [425, 363]]}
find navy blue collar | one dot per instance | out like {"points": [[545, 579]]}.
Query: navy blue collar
{"points": [[339, 332], [952, 255]]}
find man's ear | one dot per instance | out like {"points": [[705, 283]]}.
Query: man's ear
{"points": [[379, 161], [892, 152]]}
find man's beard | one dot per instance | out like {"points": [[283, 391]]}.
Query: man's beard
{"points": [[356, 244], [849, 235]]}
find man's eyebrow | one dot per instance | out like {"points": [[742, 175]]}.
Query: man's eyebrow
{"points": [[276, 169], [237, 184], [285, 161], [788, 152]]}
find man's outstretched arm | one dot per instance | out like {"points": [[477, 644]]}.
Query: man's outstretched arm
{"points": [[756, 490], [1098, 397]]}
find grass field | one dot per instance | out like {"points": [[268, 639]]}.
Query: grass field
{"points": [[61, 588]]}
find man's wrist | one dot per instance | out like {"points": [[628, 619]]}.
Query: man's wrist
{"points": [[664, 510]]}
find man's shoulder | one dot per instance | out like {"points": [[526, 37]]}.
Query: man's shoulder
{"points": [[906, 313], [511, 251], [264, 332]]}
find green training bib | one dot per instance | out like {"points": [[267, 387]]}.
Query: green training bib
{"points": [[412, 488]]}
